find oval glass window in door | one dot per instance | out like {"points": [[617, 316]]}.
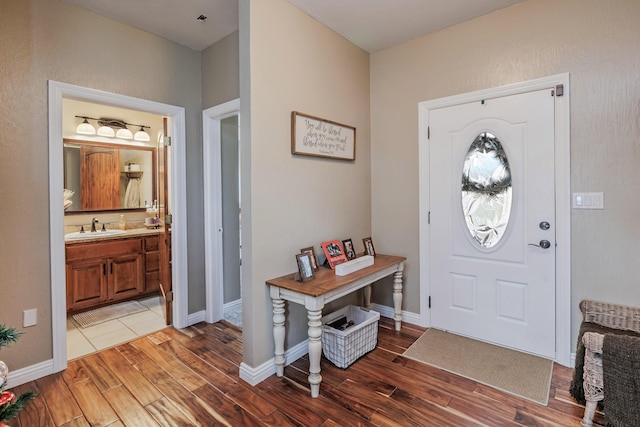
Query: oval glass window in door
{"points": [[486, 190]]}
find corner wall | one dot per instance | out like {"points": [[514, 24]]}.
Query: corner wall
{"points": [[50, 40], [597, 43], [290, 62]]}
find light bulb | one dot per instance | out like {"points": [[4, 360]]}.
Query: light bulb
{"points": [[141, 135], [86, 128], [106, 131]]}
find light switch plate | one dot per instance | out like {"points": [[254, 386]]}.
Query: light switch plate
{"points": [[29, 317], [588, 201]]}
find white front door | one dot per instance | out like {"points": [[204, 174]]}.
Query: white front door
{"points": [[493, 254]]}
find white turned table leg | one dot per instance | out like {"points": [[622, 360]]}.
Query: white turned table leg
{"points": [[366, 293], [315, 350], [589, 412], [278, 334], [397, 296]]}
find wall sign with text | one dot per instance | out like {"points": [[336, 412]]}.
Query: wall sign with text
{"points": [[313, 136]]}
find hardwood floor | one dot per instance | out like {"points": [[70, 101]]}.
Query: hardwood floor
{"points": [[190, 377]]}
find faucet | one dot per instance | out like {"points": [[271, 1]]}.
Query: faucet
{"points": [[94, 221]]}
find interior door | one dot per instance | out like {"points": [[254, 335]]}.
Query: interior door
{"points": [[492, 215], [164, 204]]}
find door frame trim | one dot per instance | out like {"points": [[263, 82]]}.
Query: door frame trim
{"points": [[212, 168], [58, 91], [562, 164]]}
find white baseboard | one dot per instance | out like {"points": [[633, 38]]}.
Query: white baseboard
{"points": [[30, 373], [251, 375], [258, 374], [233, 305], [389, 312], [196, 317]]}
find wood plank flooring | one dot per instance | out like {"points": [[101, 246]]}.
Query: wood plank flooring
{"points": [[190, 377]]}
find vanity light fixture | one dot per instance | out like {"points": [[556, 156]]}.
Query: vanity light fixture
{"points": [[85, 128], [141, 135], [106, 131], [107, 127], [124, 133]]}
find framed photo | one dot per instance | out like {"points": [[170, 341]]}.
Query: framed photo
{"points": [[368, 246], [349, 251], [334, 253], [304, 267], [313, 136], [312, 256]]}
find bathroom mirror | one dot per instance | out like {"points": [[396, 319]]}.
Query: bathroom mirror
{"points": [[108, 177]]}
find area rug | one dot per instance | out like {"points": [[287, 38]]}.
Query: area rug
{"points": [[511, 371], [110, 312]]}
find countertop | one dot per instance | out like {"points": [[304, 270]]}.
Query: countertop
{"points": [[132, 232]]}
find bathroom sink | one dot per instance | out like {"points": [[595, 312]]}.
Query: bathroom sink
{"points": [[93, 235]]}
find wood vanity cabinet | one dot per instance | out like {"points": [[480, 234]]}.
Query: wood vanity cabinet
{"points": [[99, 273], [151, 263]]}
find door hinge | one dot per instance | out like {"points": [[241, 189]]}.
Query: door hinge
{"points": [[166, 141], [559, 91], [429, 301], [429, 217], [168, 218], [428, 132]]}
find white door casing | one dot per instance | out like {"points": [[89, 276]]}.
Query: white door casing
{"points": [[58, 91], [214, 274], [561, 193], [504, 294]]}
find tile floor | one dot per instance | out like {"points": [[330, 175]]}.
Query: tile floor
{"points": [[83, 341]]}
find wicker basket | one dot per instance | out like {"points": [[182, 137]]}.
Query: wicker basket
{"points": [[345, 347]]}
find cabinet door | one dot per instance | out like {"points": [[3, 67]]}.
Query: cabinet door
{"points": [[151, 265], [100, 178], [86, 283], [125, 276]]}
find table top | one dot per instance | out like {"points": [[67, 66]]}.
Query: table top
{"points": [[325, 279]]}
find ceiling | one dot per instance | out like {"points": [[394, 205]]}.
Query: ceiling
{"points": [[370, 24]]}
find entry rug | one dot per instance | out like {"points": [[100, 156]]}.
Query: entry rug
{"points": [[110, 312], [511, 371]]}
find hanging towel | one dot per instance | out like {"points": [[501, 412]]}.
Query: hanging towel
{"points": [[132, 194]]}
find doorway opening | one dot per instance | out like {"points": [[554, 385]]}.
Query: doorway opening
{"points": [[223, 213], [57, 93], [560, 199]]}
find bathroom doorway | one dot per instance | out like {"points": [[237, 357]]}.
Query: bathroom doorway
{"points": [[223, 213], [177, 195]]}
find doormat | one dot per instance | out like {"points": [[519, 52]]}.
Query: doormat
{"points": [[110, 312], [511, 371]]}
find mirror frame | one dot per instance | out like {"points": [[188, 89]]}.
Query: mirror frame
{"points": [[154, 162]]}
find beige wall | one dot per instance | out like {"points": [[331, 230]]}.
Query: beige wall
{"points": [[221, 71], [49, 40], [597, 43], [292, 62]]}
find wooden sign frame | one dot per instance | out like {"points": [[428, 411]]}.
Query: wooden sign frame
{"points": [[313, 136]]}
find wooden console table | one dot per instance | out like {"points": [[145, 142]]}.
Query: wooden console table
{"points": [[324, 288]]}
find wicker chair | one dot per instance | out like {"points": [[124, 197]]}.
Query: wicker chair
{"points": [[611, 316]]}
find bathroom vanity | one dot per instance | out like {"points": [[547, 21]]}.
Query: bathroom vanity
{"points": [[103, 271]]}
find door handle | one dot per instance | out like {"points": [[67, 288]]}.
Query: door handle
{"points": [[544, 244]]}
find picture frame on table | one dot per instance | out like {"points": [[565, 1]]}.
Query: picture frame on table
{"points": [[305, 270], [334, 253], [368, 246], [312, 256], [349, 250]]}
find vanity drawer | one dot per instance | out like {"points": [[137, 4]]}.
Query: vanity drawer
{"points": [[103, 249], [152, 261], [151, 243]]}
